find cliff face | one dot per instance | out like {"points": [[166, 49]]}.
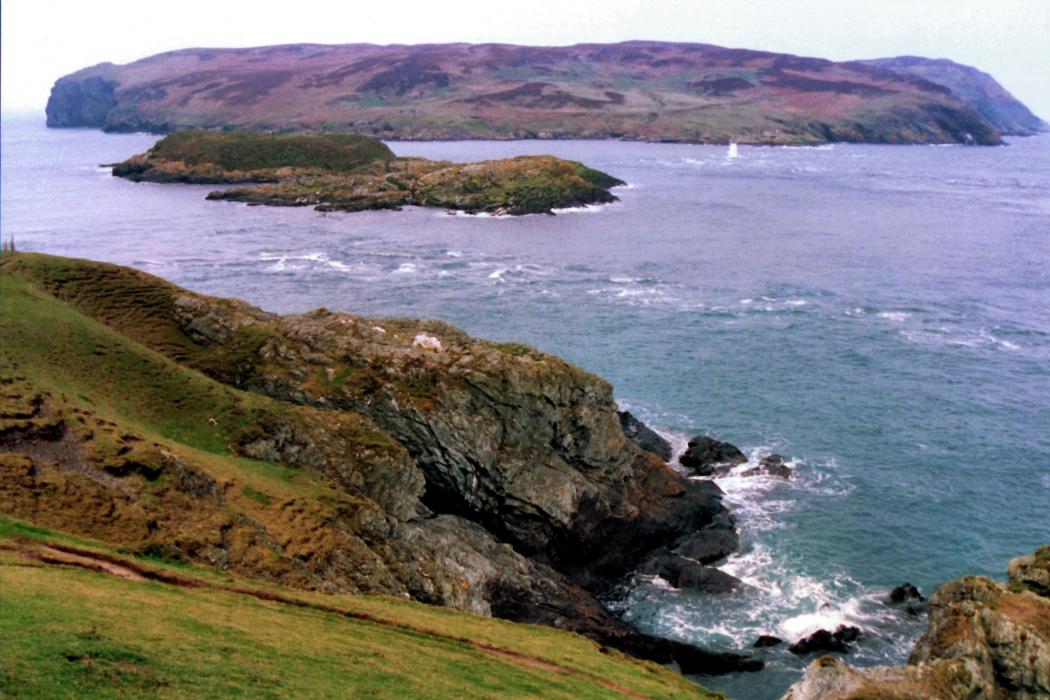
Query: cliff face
{"points": [[519, 441], [83, 100], [486, 477], [634, 90], [983, 640], [977, 89]]}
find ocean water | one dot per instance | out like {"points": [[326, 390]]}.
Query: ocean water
{"points": [[878, 315]]}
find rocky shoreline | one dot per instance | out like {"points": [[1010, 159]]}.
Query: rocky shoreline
{"points": [[984, 639]]}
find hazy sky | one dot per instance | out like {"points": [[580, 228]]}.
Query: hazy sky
{"points": [[43, 39]]}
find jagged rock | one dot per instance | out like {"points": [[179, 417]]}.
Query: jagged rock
{"points": [[823, 640], [1002, 637], [771, 465], [847, 633], [583, 614], [908, 598], [688, 574], [904, 593], [704, 453], [716, 541], [353, 172], [767, 640], [1032, 571], [983, 640], [644, 436], [317, 440], [721, 470]]}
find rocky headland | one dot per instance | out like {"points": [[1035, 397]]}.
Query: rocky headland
{"points": [[348, 172], [637, 90], [339, 453], [978, 89], [984, 639]]}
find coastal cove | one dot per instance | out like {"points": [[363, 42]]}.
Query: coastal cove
{"points": [[875, 314]]}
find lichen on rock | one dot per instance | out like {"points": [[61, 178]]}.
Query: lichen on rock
{"points": [[983, 640]]}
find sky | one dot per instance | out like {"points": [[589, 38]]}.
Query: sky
{"points": [[41, 40]]}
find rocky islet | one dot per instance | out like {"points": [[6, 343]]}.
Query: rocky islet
{"points": [[350, 172]]}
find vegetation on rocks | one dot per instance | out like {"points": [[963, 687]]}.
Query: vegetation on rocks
{"points": [[352, 173]]}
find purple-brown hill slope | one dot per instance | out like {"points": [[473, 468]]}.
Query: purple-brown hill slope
{"points": [[635, 90], [978, 89]]}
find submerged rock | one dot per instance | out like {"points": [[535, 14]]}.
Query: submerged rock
{"points": [[771, 465], [823, 640], [716, 541], [644, 436], [982, 640], [767, 640], [907, 597], [704, 453], [688, 574], [904, 593]]}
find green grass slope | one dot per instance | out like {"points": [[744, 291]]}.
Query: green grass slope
{"points": [[82, 622]]}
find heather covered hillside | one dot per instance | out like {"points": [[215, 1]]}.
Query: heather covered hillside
{"points": [[634, 90], [978, 89]]}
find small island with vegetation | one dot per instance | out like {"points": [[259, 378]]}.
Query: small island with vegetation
{"points": [[350, 172]]}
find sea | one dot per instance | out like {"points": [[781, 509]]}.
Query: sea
{"points": [[878, 315]]}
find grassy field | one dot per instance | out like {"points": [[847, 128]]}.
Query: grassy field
{"points": [[243, 151], [67, 631], [105, 589]]}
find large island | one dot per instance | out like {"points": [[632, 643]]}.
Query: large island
{"points": [[639, 90]]}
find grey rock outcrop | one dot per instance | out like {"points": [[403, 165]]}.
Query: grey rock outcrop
{"points": [[770, 465], [704, 454], [644, 436], [688, 574]]}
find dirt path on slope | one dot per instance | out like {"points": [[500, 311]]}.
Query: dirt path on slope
{"points": [[64, 555]]}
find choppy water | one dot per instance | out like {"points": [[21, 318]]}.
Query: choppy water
{"points": [[880, 315]]}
